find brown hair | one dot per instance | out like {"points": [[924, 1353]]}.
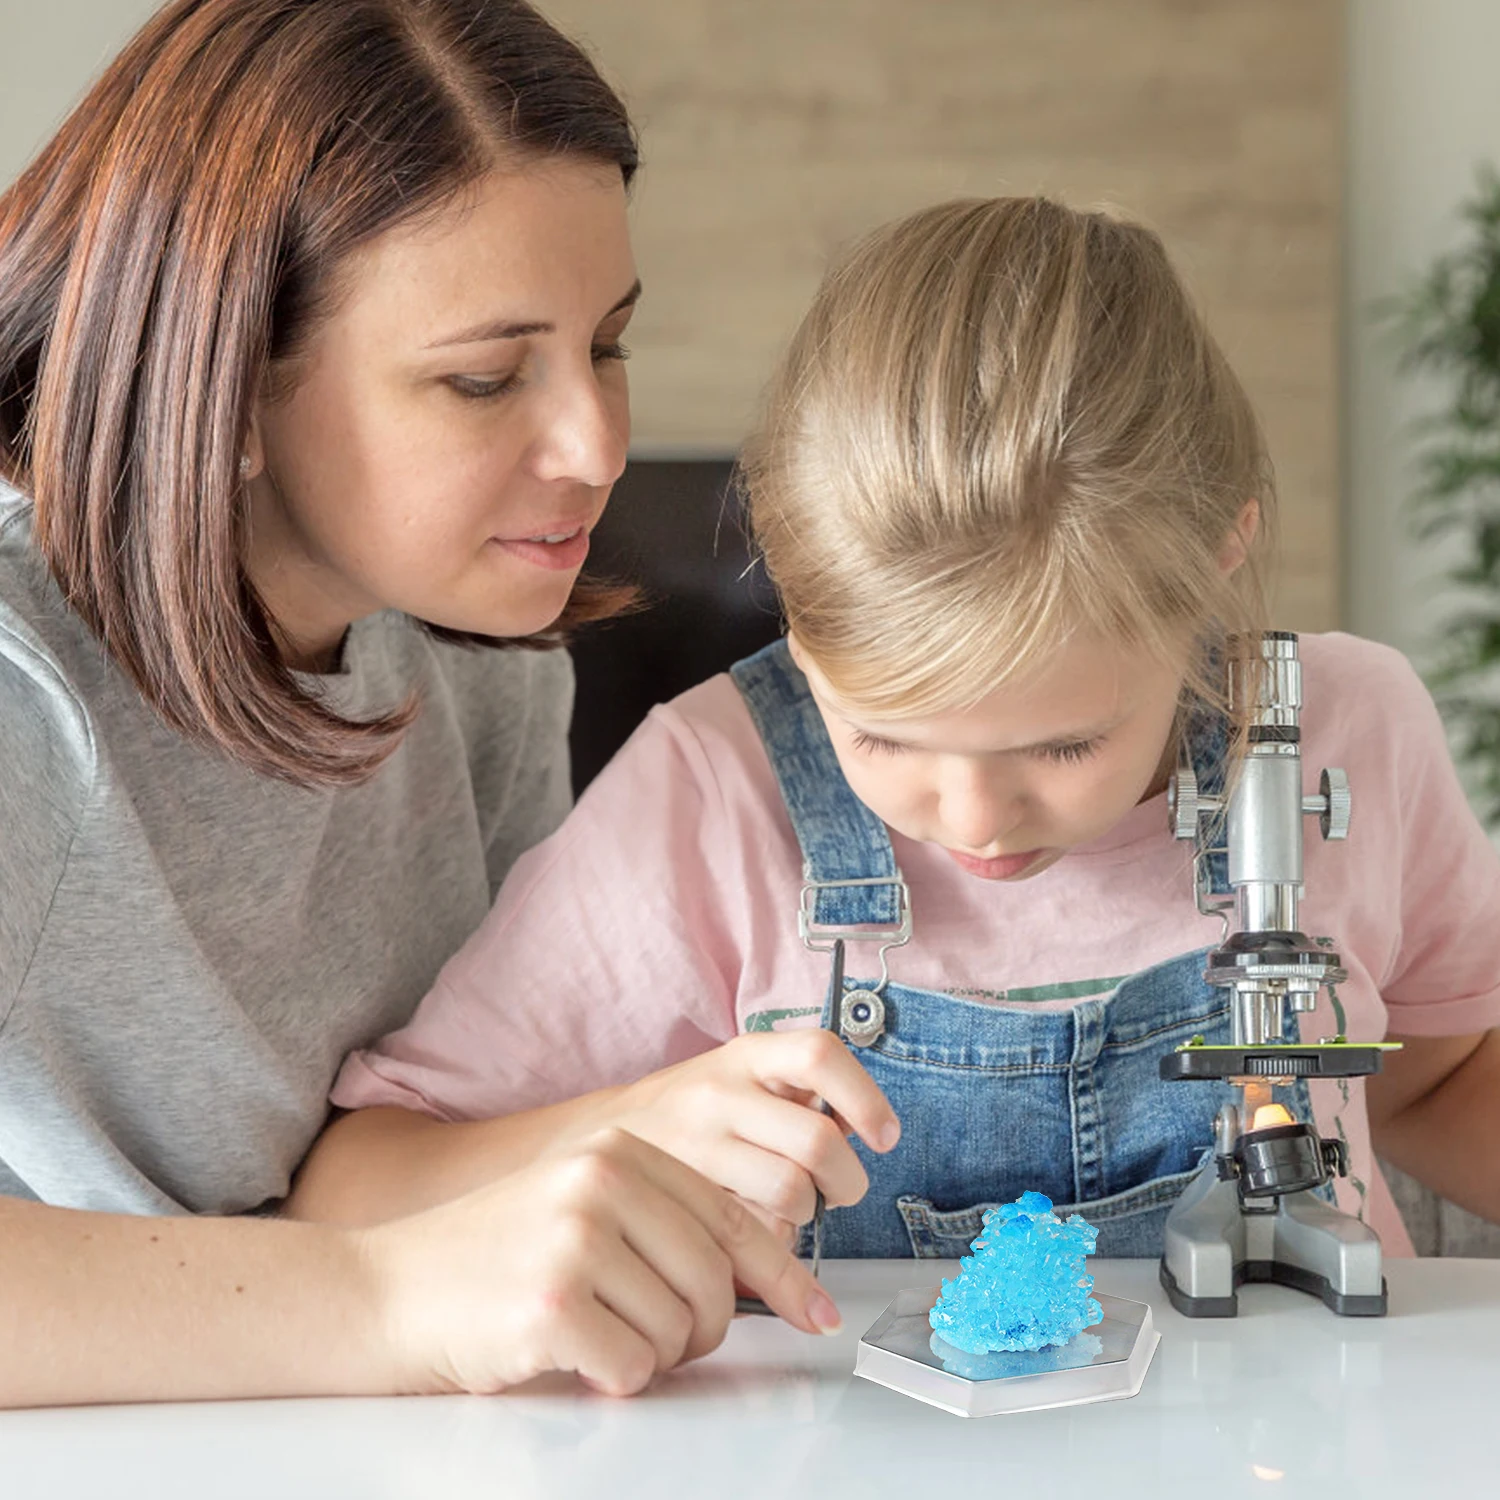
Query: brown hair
{"points": [[1001, 423], [177, 241]]}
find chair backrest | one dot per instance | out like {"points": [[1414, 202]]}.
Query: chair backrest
{"points": [[674, 528]]}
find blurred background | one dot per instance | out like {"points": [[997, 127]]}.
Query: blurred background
{"points": [[1305, 161]]}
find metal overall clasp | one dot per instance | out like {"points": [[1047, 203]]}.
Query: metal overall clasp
{"points": [[861, 1017]]}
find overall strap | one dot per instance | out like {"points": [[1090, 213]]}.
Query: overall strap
{"points": [[848, 862], [1207, 742]]}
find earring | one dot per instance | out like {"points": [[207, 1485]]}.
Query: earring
{"points": [[245, 466]]}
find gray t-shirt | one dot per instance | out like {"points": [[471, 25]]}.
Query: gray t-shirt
{"points": [[187, 949]]}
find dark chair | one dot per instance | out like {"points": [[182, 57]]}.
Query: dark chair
{"points": [[674, 528]]}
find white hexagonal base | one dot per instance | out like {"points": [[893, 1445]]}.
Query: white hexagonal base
{"points": [[1107, 1362]]}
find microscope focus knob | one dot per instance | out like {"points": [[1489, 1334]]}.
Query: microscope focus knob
{"points": [[1183, 805], [1333, 786]]}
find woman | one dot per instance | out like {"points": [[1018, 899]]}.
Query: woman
{"points": [[310, 324]]}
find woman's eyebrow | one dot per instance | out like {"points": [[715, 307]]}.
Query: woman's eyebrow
{"points": [[483, 333]]}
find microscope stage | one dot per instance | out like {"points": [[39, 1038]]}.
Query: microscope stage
{"points": [[1274, 1060]]}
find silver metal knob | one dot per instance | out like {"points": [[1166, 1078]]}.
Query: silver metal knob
{"points": [[1333, 785], [1183, 805]]}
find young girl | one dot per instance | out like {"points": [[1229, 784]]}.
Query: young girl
{"points": [[1016, 505]]}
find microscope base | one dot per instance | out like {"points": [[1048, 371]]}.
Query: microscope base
{"points": [[1214, 1245]]}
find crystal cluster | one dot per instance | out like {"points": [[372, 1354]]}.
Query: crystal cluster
{"points": [[1024, 1285]]}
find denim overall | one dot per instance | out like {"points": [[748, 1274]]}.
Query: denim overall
{"points": [[996, 1098]]}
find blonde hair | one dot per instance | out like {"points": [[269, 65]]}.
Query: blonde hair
{"points": [[1002, 424]]}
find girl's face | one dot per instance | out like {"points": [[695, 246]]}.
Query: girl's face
{"points": [[1038, 768], [457, 423]]}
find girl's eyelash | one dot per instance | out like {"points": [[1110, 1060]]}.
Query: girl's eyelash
{"points": [[873, 743], [1069, 754], [472, 388]]}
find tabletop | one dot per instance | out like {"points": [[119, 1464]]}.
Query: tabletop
{"points": [[1285, 1400]]}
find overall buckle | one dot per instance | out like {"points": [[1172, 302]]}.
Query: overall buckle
{"points": [[820, 937]]}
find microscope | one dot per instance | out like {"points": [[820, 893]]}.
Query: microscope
{"points": [[1254, 1212]]}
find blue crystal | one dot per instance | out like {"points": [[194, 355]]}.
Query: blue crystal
{"points": [[1024, 1286]]}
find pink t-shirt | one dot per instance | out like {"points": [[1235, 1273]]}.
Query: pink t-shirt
{"points": [[660, 919]]}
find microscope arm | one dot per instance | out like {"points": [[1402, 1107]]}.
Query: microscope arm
{"points": [[1435, 1113]]}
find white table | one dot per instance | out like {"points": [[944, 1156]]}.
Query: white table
{"points": [[1285, 1400]]}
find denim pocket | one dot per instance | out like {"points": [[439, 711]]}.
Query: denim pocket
{"points": [[1130, 1224]]}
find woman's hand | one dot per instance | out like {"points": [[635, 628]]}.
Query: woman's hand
{"points": [[741, 1116], [608, 1258]]}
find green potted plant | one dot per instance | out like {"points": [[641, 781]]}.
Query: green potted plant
{"points": [[1449, 323]]}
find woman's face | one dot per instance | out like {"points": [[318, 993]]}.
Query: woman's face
{"points": [[456, 425]]}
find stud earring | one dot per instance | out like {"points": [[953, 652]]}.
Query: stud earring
{"points": [[245, 466]]}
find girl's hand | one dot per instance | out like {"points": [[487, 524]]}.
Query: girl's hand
{"points": [[607, 1258], [741, 1116]]}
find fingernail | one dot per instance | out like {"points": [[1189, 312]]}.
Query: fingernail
{"points": [[889, 1135], [822, 1313]]}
